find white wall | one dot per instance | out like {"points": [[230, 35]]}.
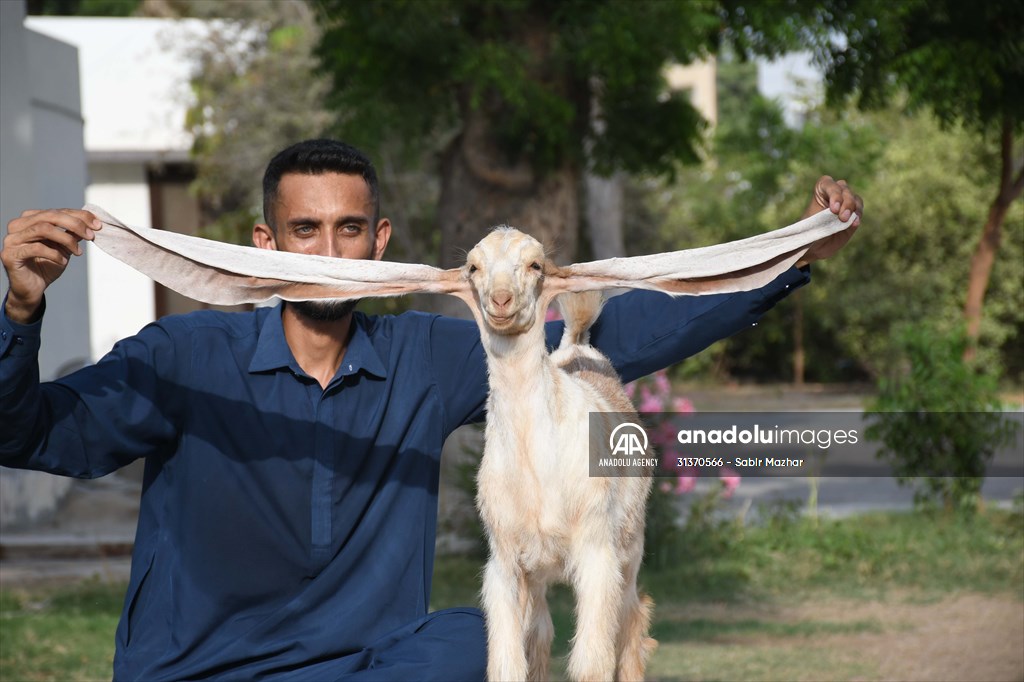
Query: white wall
{"points": [[121, 300], [42, 164]]}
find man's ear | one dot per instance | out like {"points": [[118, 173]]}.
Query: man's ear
{"points": [[381, 238], [263, 237]]}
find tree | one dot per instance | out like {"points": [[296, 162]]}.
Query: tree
{"points": [[255, 89], [526, 95], [964, 62]]}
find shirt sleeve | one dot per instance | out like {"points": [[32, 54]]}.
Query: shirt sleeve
{"points": [[640, 332], [93, 421], [644, 331]]}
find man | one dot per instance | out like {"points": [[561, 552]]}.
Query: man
{"points": [[292, 453]]}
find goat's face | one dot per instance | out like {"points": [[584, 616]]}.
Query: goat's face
{"points": [[506, 273]]}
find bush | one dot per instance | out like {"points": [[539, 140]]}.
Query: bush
{"points": [[938, 420]]}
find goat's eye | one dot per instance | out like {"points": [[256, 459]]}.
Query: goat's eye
{"points": [[536, 266], [472, 269]]}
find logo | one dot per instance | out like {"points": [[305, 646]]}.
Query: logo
{"points": [[628, 439]]}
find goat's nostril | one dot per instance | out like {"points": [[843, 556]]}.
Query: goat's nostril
{"points": [[501, 298]]}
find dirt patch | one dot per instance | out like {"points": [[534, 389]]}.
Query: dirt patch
{"points": [[960, 637]]}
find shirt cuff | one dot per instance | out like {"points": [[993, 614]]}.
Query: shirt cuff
{"points": [[19, 339]]}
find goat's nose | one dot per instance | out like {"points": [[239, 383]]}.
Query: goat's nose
{"points": [[501, 298]]}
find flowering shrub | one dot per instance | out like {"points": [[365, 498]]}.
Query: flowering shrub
{"points": [[704, 531], [653, 396]]}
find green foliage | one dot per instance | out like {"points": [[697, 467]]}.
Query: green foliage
{"points": [[961, 60], [926, 190], [83, 8], [910, 261], [255, 93], [556, 79], [938, 420]]}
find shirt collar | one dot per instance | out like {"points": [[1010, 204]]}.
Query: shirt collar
{"points": [[272, 351]]}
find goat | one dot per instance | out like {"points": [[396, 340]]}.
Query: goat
{"points": [[546, 518]]}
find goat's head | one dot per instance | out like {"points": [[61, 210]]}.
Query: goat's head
{"points": [[505, 272]]}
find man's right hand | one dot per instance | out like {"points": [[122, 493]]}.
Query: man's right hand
{"points": [[36, 251]]}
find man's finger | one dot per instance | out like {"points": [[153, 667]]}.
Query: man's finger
{"points": [[46, 232], [40, 251], [79, 222]]}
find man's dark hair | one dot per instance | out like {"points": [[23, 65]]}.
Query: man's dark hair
{"points": [[316, 157]]}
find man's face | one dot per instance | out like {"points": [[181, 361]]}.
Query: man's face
{"points": [[325, 215]]}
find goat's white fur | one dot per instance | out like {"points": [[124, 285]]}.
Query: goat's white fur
{"points": [[547, 519]]}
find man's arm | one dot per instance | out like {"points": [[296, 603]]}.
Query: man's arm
{"points": [[99, 418], [644, 331], [91, 422]]}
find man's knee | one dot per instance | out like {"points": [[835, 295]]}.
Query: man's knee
{"points": [[448, 645]]}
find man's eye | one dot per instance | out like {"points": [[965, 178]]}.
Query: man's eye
{"points": [[304, 229], [352, 229]]}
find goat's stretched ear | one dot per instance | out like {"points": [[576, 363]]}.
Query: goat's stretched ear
{"points": [[227, 274], [734, 266]]}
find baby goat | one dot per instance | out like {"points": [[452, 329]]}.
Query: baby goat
{"points": [[546, 517], [547, 520]]}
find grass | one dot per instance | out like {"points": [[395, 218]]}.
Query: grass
{"points": [[717, 613]]}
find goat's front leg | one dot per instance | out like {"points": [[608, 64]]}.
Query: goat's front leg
{"points": [[541, 631], [505, 600], [598, 585]]}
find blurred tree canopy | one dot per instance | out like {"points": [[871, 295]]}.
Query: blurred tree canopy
{"points": [[524, 95], [964, 62], [926, 188]]}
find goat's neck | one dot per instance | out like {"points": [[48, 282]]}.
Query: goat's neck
{"points": [[518, 365]]}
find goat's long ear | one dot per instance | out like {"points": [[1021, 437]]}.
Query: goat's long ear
{"points": [[735, 266], [226, 274]]}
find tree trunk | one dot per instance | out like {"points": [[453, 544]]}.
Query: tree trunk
{"points": [[481, 189], [604, 216], [984, 257]]}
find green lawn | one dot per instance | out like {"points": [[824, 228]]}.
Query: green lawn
{"points": [[745, 604]]}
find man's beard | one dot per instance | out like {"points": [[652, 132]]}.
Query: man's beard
{"points": [[324, 311]]}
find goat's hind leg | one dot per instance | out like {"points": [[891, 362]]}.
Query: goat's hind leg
{"points": [[634, 645]]}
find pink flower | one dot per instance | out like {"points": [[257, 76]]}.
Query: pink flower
{"points": [[648, 401], [631, 389], [662, 383], [682, 405], [664, 435], [665, 486], [685, 483], [730, 480]]}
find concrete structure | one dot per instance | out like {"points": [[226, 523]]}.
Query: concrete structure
{"points": [[135, 94], [700, 79], [42, 163]]}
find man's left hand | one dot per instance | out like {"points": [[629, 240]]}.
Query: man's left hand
{"points": [[836, 196]]}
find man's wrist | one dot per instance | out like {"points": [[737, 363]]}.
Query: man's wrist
{"points": [[21, 312]]}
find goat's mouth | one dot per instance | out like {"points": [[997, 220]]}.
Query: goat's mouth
{"points": [[505, 324]]}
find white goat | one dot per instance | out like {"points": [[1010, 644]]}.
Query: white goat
{"points": [[547, 519]]}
